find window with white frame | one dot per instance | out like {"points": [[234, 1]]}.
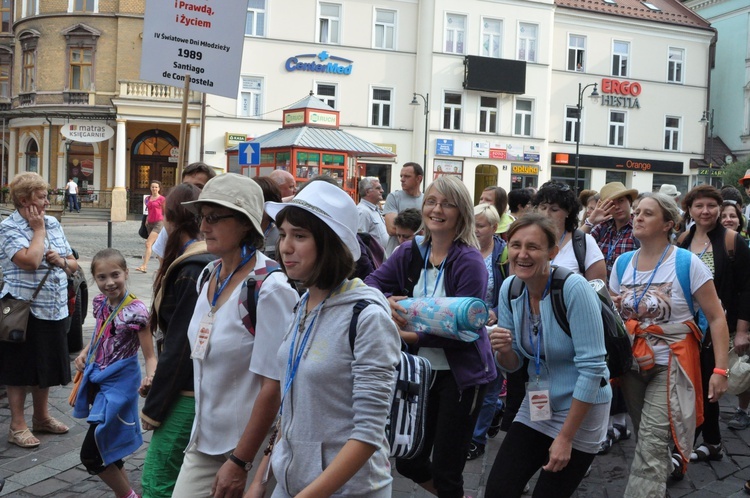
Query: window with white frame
{"points": [[455, 33], [616, 128], [329, 23], [620, 58], [28, 71], [255, 23], [382, 103], [83, 6], [676, 60], [385, 29], [6, 15], [327, 92], [492, 37], [522, 117], [452, 111], [571, 124], [30, 7], [576, 52], [672, 133], [488, 114], [527, 37], [251, 97]]}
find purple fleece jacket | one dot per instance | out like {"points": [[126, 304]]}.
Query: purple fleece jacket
{"points": [[465, 276]]}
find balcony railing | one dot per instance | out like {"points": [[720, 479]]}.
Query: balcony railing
{"points": [[76, 98], [27, 99], [144, 90], [88, 198]]}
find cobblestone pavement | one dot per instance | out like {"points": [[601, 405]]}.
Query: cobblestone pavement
{"points": [[54, 469]]}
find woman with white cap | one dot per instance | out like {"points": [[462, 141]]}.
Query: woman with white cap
{"points": [[236, 375], [336, 389]]}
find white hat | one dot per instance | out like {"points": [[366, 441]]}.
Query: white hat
{"points": [[670, 190], [232, 191], [331, 205]]}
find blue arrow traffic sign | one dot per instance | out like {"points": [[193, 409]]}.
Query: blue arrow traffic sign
{"points": [[249, 153]]}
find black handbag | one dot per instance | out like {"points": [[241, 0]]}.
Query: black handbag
{"points": [[14, 315], [143, 231]]}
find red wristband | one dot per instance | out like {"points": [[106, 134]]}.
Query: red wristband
{"points": [[719, 371]]}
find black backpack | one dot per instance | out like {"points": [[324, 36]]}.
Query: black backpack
{"points": [[616, 339], [406, 426], [578, 239]]}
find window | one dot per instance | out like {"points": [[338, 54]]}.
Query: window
{"points": [[385, 29], [28, 71], [255, 23], [80, 69], [617, 128], [488, 114], [651, 6], [620, 56], [327, 93], [672, 133], [676, 59], [84, 5], [5, 16], [492, 38], [30, 7], [455, 32], [452, 111], [571, 124], [527, 42], [576, 52], [251, 97], [329, 23], [381, 107], [32, 156], [522, 122], [5, 65]]}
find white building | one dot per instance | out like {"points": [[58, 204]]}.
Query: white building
{"points": [[649, 61]]}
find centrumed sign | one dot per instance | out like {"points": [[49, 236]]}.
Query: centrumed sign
{"points": [[87, 131], [203, 38]]}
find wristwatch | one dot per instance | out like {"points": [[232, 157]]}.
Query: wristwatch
{"points": [[246, 466], [720, 371]]}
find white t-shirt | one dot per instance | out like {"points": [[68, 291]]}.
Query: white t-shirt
{"points": [[566, 258], [160, 245], [72, 187], [663, 301], [428, 286]]}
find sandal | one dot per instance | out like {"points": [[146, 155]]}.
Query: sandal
{"points": [[23, 438], [141, 269], [706, 452], [51, 425]]}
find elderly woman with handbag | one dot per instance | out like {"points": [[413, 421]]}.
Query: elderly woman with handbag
{"points": [[36, 258]]}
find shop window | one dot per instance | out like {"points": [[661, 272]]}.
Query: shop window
{"points": [[522, 118], [251, 97], [567, 176], [85, 5], [672, 133], [452, 111], [679, 181], [329, 23], [576, 52], [492, 37], [616, 129], [527, 38], [571, 124], [32, 156], [381, 107], [80, 165], [327, 93], [283, 159], [676, 60], [455, 34], [6, 16], [616, 176], [488, 114], [385, 29], [307, 164], [620, 58], [255, 23]]}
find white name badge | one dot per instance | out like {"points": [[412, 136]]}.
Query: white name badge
{"points": [[205, 327], [539, 405]]}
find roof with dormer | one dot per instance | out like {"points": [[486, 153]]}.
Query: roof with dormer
{"points": [[663, 11]]}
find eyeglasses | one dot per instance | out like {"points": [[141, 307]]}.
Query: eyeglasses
{"points": [[212, 218], [443, 205]]}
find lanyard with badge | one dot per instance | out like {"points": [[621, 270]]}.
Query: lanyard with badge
{"points": [[538, 389], [636, 298], [205, 327], [440, 273]]}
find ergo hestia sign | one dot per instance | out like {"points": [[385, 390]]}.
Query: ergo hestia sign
{"points": [[202, 38]]}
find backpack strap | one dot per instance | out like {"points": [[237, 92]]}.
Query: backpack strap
{"points": [[416, 264], [503, 262], [578, 239], [559, 276], [516, 289], [729, 238], [683, 259], [358, 307], [622, 263]]}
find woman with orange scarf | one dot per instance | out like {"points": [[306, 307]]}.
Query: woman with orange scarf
{"points": [[657, 285]]}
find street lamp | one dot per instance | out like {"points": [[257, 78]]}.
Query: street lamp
{"points": [[594, 95], [426, 99], [708, 118]]}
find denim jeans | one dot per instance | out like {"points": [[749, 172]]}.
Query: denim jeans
{"points": [[73, 203], [490, 406]]}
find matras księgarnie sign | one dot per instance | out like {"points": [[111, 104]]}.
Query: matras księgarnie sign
{"points": [[201, 37]]}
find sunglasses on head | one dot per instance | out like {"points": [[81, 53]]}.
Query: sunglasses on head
{"points": [[562, 187]]}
